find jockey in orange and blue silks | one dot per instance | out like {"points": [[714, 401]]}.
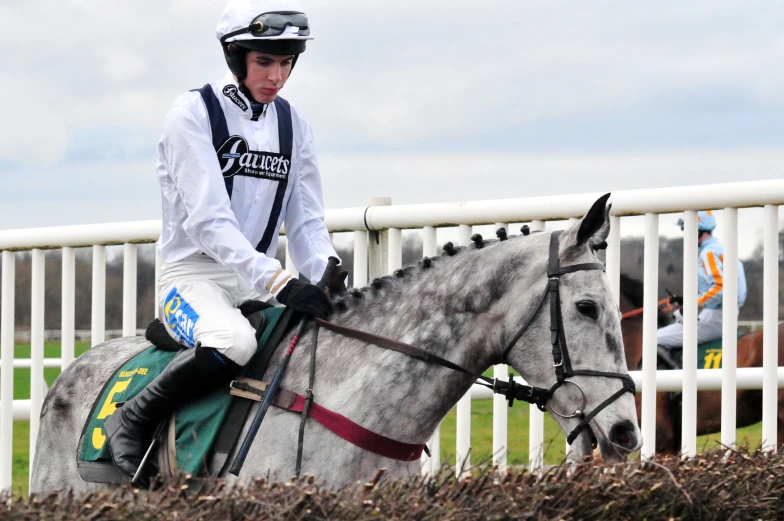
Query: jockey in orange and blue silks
{"points": [[710, 285]]}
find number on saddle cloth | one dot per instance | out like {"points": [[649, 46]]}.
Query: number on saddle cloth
{"points": [[709, 355]]}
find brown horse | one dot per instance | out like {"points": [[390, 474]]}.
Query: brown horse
{"points": [[668, 410]]}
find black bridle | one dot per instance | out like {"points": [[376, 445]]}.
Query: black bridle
{"points": [[511, 389], [561, 361]]}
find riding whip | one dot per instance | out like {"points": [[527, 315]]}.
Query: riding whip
{"points": [[239, 460]]}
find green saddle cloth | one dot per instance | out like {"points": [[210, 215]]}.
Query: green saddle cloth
{"points": [[708, 355], [196, 423]]}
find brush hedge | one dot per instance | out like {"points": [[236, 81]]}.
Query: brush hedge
{"points": [[716, 485]]}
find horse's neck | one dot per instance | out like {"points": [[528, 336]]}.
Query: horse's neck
{"points": [[448, 310]]}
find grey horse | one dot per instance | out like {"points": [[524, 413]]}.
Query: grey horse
{"points": [[465, 307]]}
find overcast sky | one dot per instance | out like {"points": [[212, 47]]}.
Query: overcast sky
{"points": [[422, 101]]}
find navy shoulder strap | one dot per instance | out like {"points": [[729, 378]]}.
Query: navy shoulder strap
{"points": [[220, 133], [286, 145], [220, 130]]}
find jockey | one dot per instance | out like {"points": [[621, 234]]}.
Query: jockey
{"points": [[710, 272], [234, 163]]}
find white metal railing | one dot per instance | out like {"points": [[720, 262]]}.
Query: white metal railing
{"points": [[383, 223]]}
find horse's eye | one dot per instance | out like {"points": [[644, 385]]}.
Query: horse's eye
{"points": [[587, 308]]}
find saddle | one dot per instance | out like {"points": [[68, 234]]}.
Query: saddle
{"points": [[203, 427]]}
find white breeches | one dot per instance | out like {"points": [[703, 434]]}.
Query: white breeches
{"points": [[198, 304], [708, 328]]}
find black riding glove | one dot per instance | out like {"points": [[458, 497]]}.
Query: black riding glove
{"points": [[305, 297], [337, 286], [676, 300]]}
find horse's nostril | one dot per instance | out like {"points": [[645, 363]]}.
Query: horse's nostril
{"points": [[623, 434]]}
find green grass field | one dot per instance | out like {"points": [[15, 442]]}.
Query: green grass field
{"points": [[481, 427]]}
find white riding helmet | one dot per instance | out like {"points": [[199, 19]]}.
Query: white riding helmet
{"points": [[271, 26]]}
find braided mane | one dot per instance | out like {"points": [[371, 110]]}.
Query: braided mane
{"points": [[412, 272]]}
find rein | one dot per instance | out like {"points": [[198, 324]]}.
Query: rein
{"points": [[638, 311], [511, 389]]}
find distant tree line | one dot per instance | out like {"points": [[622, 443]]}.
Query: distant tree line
{"points": [[670, 277]]}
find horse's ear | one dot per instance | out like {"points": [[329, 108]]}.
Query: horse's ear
{"points": [[595, 226]]}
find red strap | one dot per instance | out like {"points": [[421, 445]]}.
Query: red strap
{"points": [[358, 435], [637, 311]]}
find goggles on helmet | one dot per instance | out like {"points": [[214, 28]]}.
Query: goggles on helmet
{"points": [[268, 25]]}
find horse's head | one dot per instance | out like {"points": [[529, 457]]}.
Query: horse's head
{"points": [[572, 344]]}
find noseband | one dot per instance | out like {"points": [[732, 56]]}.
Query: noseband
{"points": [[511, 389]]}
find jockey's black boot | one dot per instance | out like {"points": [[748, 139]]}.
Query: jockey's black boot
{"points": [[191, 374]]}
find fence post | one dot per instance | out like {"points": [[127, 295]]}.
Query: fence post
{"points": [[7, 371], [464, 404], [500, 410], [535, 416], [430, 466], [650, 297], [360, 276], [36, 346], [689, 309], [98, 321], [378, 245], [130, 255], [729, 359], [770, 331], [613, 257], [67, 308]]}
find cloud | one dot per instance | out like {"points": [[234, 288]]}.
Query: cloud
{"points": [[390, 75], [122, 64], [352, 179]]}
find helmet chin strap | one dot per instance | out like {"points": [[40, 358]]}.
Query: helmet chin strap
{"points": [[245, 90], [257, 108]]}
